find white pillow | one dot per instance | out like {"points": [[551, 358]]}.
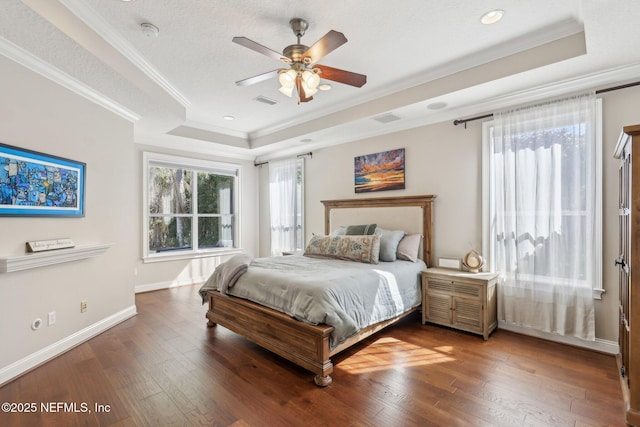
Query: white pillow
{"points": [[408, 247]]}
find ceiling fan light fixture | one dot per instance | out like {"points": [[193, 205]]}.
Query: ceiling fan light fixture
{"points": [[311, 79], [288, 78], [308, 91], [288, 91], [303, 74]]}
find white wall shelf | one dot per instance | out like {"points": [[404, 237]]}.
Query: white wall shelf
{"points": [[9, 264]]}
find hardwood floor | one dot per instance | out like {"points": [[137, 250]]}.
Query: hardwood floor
{"points": [[165, 367]]}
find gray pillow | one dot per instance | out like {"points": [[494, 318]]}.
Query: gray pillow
{"points": [[389, 243], [359, 230]]}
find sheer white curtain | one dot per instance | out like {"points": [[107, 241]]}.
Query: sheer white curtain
{"points": [[285, 203], [543, 230]]}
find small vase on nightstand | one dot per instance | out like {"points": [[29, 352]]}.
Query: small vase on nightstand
{"points": [[473, 261]]}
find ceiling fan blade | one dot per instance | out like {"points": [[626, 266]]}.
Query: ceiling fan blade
{"points": [[243, 41], [259, 78], [331, 41], [341, 76], [302, 97]]}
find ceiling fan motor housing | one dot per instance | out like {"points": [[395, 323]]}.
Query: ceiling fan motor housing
{"points": [[294, 52]]}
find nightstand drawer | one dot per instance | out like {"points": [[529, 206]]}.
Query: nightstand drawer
{"points": [[452, 287]]}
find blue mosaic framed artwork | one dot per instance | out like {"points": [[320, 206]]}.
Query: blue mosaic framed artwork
{"points": [[38, 184]]}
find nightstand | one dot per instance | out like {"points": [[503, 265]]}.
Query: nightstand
{"points": [[461, 300]]}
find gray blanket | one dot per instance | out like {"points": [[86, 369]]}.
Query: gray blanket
{"points": [[344, 294], [226, 275]]}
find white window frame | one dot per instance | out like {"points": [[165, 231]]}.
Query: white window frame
{"points": [[487, 199], [150, 159]]}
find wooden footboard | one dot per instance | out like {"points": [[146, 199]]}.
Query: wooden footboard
{"points": [[303, 344]]}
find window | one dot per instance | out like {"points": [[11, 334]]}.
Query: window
{"points": [[542, 207], [286, 205], [190, 207]]}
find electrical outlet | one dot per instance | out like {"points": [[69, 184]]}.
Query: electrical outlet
{"points": [[36, 324], [52, 318], [83, 306]]}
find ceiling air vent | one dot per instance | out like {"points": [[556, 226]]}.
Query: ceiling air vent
{"points": [[266, 100], [386, 118]]}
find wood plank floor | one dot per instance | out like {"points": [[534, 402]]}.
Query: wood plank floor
{"points": [[164, 367]]}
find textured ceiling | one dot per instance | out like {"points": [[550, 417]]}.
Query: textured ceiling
{"points": [[414, 53]]}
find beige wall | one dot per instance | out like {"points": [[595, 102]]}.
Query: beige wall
{"points": [[39, 115], [446, 160]]}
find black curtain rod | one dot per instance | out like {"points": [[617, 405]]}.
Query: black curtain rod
{"points": [[617, 87], [609, 89], [460, 121], [310, 153]]}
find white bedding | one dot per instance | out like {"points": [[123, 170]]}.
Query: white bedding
{"points": [[344, 294]]}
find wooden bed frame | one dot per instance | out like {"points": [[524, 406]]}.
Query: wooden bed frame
{"points": [[303, 344]]}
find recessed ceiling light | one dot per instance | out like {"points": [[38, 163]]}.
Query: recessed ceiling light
{"points": [[306, 140], [492, 16], [324, 86], [437, 105], [229, 118]]}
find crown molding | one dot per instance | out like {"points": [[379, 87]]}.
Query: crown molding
{"points": [[189, 145], [28, 60], [591, 81], [101, 27], [217, 129]]}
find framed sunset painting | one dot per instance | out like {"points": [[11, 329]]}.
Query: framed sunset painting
{"points": [[379, 171]]}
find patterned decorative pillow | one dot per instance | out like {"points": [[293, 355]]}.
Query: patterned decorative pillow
{"points": [[352, 248]]}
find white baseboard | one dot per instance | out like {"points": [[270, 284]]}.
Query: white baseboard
{"points": [[600, 345], [166, 285], [33, 360]]}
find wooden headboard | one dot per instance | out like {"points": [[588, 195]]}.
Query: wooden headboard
{"points": [[425, 202]]}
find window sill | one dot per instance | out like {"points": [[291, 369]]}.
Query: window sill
{"points": [[189, 255], [597, 293], [548, 284]]}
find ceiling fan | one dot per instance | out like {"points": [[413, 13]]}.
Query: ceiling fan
{"points": [[304, 72]]}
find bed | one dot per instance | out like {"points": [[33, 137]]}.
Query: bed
{"points": [[308, 345]]}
